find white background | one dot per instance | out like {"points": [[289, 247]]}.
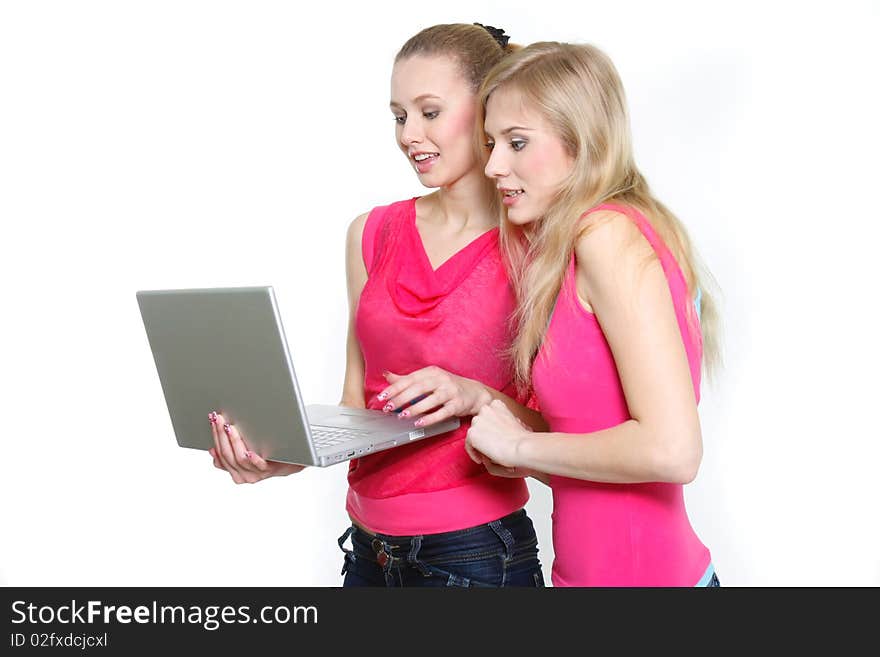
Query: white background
{"points": [[189, 144]]}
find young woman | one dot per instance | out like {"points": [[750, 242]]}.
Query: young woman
{"points": [[608, 336], [430, 304]]}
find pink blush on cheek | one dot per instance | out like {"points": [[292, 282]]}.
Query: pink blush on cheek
{"points": [[536, 166], [460, 126], [544, 167]]}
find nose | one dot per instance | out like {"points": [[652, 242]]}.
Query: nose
{"points": [[411, 132], [496, 167]]}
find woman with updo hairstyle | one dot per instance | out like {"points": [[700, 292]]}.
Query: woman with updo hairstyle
{"points": [[614, 320], [429, 329]]}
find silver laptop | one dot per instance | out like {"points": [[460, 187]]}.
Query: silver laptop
{"points": [[224, 350]]}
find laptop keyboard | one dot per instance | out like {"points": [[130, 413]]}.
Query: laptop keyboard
{"points": [[330, 437]]}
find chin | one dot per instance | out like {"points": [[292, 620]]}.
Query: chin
{"points": [[432, 179], [518, 218]]}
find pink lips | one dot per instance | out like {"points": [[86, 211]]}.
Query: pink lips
{"points": [[509, 200], [425, 165]]}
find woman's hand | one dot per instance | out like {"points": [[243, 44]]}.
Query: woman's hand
{"points": [[232, 453], [502, 470], [494, 435], [450, 395]]}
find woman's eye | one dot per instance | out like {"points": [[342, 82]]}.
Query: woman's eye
{"points": [[430, 115], [490, 145], [518, 144], [400, 120]]}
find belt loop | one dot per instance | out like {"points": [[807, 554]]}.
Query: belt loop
{"points": [[413, 556], [505, 536], [349, 554], [414, 548], [342, 538]]}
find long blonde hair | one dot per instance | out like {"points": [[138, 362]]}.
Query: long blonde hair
{"points": [[578, 91]]}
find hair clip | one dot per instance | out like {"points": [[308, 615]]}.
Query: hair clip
{"points": [[497, 34]]}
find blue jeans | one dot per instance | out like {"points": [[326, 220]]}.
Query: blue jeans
{"points": [[709, 578], [503, 552]]}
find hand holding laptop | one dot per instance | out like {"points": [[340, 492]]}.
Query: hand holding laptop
{"points": [[232, 454]]}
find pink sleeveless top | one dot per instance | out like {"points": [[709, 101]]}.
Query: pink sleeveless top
{"points": [[410, 316], [612, 534]]}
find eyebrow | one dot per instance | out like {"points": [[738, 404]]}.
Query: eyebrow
{"points": [[507, 131], [417, 99]]}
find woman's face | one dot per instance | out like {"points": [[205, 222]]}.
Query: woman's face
{"points": [[434, 110], [529, 162]]}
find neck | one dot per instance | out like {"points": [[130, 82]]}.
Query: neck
{"points": [[463, 206]]}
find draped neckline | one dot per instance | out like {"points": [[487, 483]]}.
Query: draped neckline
{"points": [[417, 286]]}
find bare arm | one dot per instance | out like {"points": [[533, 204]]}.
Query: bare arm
{"points": [[356, 278], [532, 419], [623, 283], [543, 477]]}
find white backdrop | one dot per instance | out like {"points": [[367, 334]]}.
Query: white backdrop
{"points": [[189, 144]]}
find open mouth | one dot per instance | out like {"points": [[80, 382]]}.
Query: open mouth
{"points": [[510, 197], [423, 157]]}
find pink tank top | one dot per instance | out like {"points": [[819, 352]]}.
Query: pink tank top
{"points": [[612, 534], [410, 316]]}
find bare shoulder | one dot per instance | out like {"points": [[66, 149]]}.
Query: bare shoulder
{"points": [[354, 236], [356, 228], [609, 240]]}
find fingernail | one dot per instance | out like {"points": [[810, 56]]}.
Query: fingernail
{"points": [[382, 396], [404, 414], [212, 417], [388, 407], [226, 428], [247, 455], [419, 422]]}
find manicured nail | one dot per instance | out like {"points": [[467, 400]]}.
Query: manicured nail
{"points": [[212, 417], [226, 428], [382, 396], [419, 422], [388, 407], [403, 414]]}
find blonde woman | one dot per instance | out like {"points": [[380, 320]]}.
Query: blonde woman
{"points": [[608, 336]]}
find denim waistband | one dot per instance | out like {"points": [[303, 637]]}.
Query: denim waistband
{"points": [[511, 533], [439, 537]]}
